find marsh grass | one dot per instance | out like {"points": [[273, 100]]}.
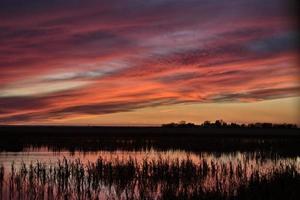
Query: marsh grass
{"points": [[149, 179]]}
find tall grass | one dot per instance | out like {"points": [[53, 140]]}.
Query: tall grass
{"points": [[149, 179]]}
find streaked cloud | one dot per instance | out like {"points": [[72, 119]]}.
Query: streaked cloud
{"points": [[67, 59]]}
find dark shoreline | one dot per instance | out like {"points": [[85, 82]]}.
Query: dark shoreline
{"points": [[277, 142], [123, 131]]}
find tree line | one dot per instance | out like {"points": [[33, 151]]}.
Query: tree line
{"points": [[223, 124]]}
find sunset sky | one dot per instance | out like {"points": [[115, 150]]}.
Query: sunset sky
{"points": [[134, 62]]}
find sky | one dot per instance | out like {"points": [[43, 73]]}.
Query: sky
{"points": [[133, 62]]}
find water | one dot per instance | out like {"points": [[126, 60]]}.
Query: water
{"points": [[145, 173]]}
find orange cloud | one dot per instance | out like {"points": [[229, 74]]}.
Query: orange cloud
{"points": [[103, 57]]}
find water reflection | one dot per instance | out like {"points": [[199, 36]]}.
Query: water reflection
{"points": [[39, 173]]}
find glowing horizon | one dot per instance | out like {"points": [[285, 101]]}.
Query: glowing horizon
{"points": [[133, 62]]}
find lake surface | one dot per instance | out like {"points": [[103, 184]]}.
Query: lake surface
{"points": [[40, 172]]}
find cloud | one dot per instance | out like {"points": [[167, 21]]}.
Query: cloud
{"points": [[275, 43], [35, 89], [15, 104], [259, 94], [98, 57], [91, 109]]}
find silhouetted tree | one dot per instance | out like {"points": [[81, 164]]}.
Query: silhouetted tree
{"points": [[222, 124]]}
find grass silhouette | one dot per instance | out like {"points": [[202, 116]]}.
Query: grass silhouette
{"points": [[149, 179]]}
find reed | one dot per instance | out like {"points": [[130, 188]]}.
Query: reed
{"points": [[149, 179]]}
